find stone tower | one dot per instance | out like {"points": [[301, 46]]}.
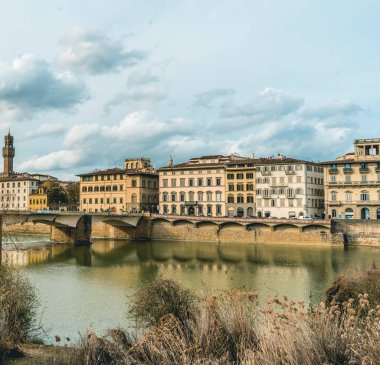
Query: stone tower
{"points": [[8, 154]]}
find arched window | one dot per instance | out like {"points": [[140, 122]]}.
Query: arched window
{"points": [[240, 212], [191, 196], [200, 196], [365, 214], [250, 212], [230, 199], [333, 213], [126, 166], [96, 188], [250, 199], [84, 189], [174, 209], [349, 213], [164, 197], [134, 198]]}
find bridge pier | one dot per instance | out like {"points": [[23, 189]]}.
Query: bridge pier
{"points": [[80, 235]]}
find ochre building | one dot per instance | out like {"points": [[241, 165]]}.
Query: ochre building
{"points": [[38, 199], [240, 188], [128, 190], [352, 182]]}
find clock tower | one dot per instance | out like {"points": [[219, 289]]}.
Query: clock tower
{"points": [[8, 154]]}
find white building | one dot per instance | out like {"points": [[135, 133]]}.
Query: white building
{"points": [[288, 188]]}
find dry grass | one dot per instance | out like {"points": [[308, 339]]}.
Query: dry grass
{"points": [[18, 305], [232, 329]]}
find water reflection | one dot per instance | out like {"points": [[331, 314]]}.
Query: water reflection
{"points": [[79, 286]]}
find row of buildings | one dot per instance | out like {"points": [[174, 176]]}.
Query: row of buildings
{"points": [[232, 185], [217, 185]]}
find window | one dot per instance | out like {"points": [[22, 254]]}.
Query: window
{"points": [[230, 176], [249, 175], [348, 195], [134, 183], [231, 187], [218, 181], [249, 187], [114, 188], [200, 182], [182, 196], [333, 196], [209, 196], [333, 213], [164, 183], [181, 182], [240, 187], [173, 197], [240, 199], [164, 197], [209, 181], [134, 198], [191, 182], [333, 178], [209, 210], [348, 178], [230, 199], [364, 178], [240, 176], [364, 196], [266, 193], [200, 196], [218, 209], [290, 193], [250, 199], [218, 196]]}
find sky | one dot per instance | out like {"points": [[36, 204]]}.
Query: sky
{"points": [[86, 84]]}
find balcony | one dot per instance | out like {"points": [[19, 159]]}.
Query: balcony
{"points": [[189, 203], [333, 170], [364, 170], [290, 172], [348, 170], [266, 173]]}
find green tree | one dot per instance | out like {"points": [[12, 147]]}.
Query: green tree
{"points": [[72, 192]]}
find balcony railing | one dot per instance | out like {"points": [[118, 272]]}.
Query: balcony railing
{"points": [[355, 183], [290, 172], [348, 170], [364, 169], [266, 173], [333, 170], [190, 202]]}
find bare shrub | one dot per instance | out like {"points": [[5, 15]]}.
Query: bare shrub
{"points": [[160, 298], [18, 306]]}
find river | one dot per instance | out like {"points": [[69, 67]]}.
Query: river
{"points": [[80, 287]]}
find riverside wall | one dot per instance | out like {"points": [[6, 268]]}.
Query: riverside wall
{"points": [[357, 232]]}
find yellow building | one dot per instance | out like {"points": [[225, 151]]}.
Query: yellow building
{"points": [[352, 182], [38, 200], [132, 189], [240, 188]]}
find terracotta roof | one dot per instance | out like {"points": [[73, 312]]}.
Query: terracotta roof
{"points": [[193, 166], [278, 161], [351, 160], [118, 170]]}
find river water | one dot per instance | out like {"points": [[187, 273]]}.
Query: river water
{"points": [[79, 287]]}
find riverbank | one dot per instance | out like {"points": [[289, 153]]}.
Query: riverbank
{"points": [[177, 327]]}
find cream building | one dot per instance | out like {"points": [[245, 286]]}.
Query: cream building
{"points": [[288, 188], [240, 188], [352, 182], [132, 189], [196, 187]]}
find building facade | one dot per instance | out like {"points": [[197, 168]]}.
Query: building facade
{"points": [[240, 178], [132, 189], [352, 182], [289, 188], [16, 188], [196, 187], [38, 199]]}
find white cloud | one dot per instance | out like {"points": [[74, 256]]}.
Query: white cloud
{"points": [[92, 52], [30, 86], [45, 130]]}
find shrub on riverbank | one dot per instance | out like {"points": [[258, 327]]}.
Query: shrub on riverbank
{"points": [[232, 329], [18, 305]]}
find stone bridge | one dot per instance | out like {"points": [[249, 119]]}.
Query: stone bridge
{"points": [[71, 227], [79, 228], [274, 224]]}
